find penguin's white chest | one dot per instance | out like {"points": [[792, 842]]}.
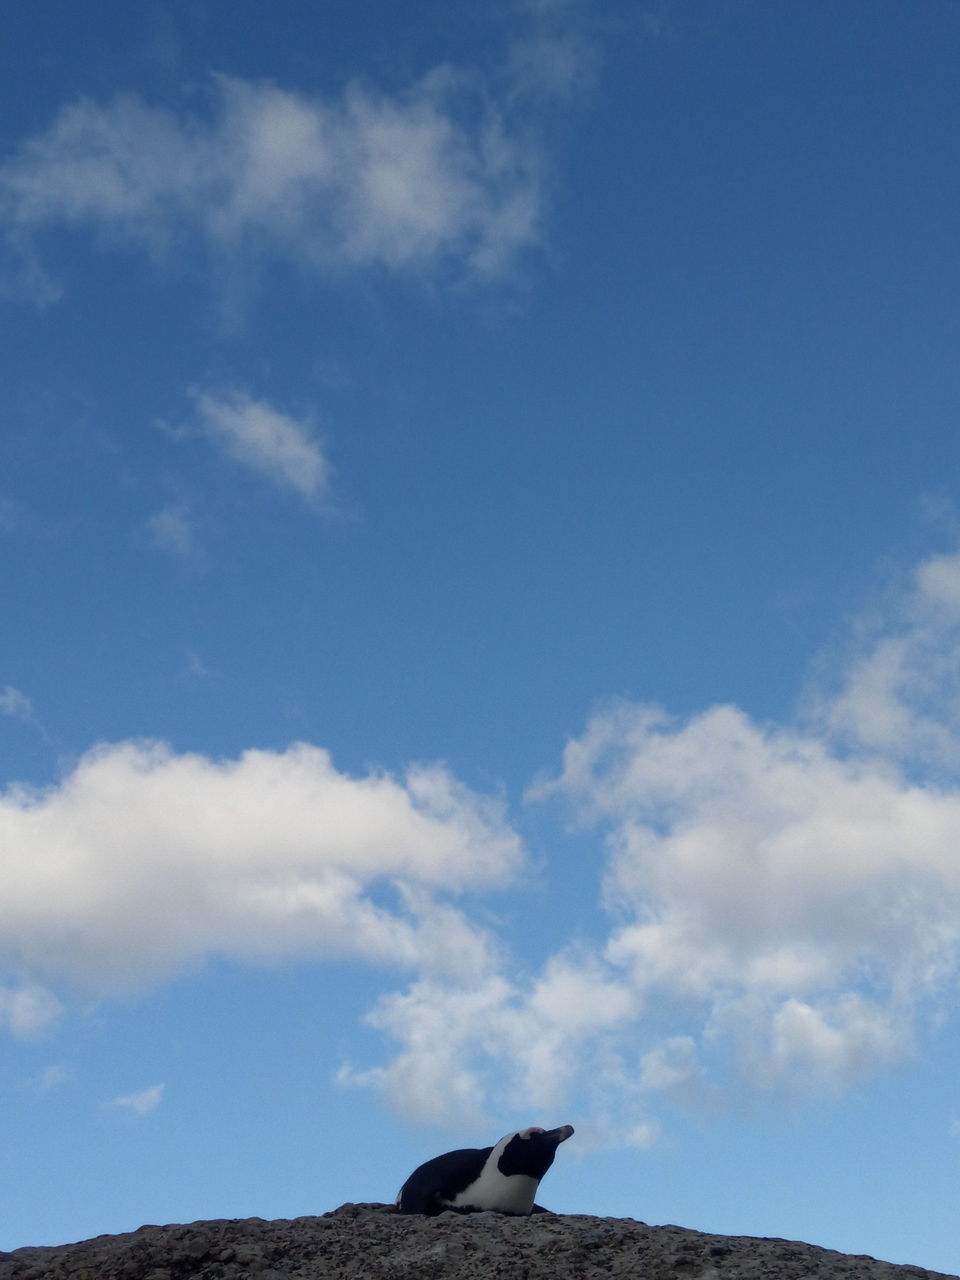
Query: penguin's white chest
{"points": [[494, 1190]]}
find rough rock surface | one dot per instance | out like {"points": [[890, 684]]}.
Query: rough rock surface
{"points": [[373, 1240]]}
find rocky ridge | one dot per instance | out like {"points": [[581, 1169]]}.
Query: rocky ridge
{"points": [[375, 1242]]}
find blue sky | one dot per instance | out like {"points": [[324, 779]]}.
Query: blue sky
{"points": [[481, 583]]}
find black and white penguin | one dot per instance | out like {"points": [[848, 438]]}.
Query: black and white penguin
{"points": [[503, 1178]]}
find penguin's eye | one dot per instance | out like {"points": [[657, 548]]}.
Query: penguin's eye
{"points": [[529, 1132]]}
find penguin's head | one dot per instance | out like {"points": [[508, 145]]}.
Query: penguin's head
{"points": [[531, 1151]]}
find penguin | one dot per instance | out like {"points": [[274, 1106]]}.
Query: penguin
{"points": [[504, 1177]]}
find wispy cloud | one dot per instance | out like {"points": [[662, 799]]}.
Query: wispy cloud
{"points": [[899, 693], [16, 704], [555, 51], [171, 529], [53, 1077], [28, 1010], [141, 1103], [197, 668], [259, 436], [410, 182]]}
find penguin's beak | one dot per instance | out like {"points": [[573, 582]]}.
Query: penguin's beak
{"points": [[561, 1134]]}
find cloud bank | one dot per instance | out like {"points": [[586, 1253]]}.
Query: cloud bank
{"points": [[781, 905], [418, 181]]}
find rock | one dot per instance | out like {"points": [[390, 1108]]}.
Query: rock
{"points": [[375, 1242]]}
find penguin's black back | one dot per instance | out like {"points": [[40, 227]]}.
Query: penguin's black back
{"points": [[431, 1187]]}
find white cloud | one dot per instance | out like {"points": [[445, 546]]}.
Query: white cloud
{"points": [[900, 693], [472, 1049], [264, 439], [196, 666], [170, 529], [410, 182], [810, 902], [671, 1066], [142, 861], [436, 1076], [836, 1044], [139, 1104], [16, 704], [28, 1010], [53, 1077], [555, 51]]}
